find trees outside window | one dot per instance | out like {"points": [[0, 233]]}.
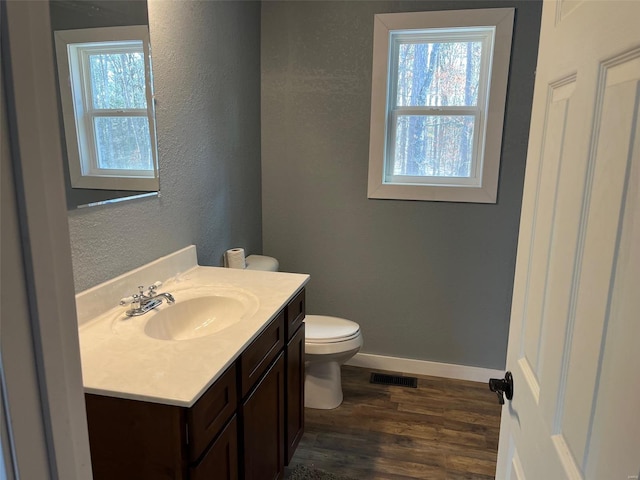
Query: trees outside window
{"points": [[438, 97], [118, 107], [435, 108], [107, 102]]}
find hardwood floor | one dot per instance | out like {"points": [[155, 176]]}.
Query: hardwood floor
{"points": [[444, 429]]}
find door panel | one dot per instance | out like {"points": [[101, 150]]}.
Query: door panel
{"points": [[543, 248], [601, 236], [617, 392], [574, 314]]}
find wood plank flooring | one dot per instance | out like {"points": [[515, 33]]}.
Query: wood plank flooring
{"points": [[444, 429]]}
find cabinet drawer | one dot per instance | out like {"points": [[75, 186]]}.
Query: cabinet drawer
{"points": [[209, 414], [263, 350], [295, 312]]}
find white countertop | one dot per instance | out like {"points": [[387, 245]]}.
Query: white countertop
{"points": [[120, 360]]}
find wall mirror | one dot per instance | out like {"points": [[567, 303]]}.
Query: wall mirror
{"points": [[105, 99]]}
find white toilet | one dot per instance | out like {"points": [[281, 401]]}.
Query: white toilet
{"points": [[329, 342]]}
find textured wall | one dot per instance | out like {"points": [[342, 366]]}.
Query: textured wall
{"points": [[208, 118], [425, 280]]}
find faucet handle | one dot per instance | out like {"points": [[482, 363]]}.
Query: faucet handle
{"points": [[137, 297], [128, 300], [154, 287]]}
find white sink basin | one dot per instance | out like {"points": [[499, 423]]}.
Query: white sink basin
{"points": [[199, 316]]}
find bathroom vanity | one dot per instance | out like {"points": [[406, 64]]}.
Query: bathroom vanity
{"points": [[222, 405]]}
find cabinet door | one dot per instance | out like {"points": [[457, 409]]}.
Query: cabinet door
{"points": [[263, 426], [221, 460], [294, 388]]}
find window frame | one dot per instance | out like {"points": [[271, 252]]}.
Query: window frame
{"points": [[73, 48], [438, 26]]}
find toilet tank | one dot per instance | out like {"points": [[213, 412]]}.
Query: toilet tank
{"points": [[262, 262]]}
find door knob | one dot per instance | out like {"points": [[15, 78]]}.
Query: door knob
{"points": [[502, 386]]}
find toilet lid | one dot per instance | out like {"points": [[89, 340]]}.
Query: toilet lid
{"points": [[322, 329]]}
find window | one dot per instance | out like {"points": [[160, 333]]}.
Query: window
{"points": [[438, 95], [107, 106]]}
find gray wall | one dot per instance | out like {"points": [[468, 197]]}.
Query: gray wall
{"points": [[208, 118], [425, 280]]}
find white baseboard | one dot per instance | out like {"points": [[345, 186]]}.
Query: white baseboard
{"points": [[423, 367]]}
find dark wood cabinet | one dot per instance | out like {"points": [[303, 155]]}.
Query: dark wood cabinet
{"points": [[220, 462], [245, 426], [258, 356], [294, 380], [263, 424], [210, 413], [295, 313], [294, 388], [132, 440]]}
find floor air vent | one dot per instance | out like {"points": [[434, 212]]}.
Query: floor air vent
{"points": [[397, 380]]}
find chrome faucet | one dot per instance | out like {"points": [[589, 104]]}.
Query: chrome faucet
{"points": [[142, 302]]}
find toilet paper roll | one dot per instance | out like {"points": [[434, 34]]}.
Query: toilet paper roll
{"points": [[234, 258]]}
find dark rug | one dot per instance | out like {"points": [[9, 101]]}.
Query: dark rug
{"points": [[302, 472]]}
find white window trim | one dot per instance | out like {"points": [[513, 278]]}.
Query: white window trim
{"points": [[485, 35], [79, 134], [441, 189]]}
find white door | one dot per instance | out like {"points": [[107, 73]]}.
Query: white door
{"points": [[575, 321]]}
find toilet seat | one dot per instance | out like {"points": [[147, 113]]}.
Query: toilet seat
{"points": [[330, 336], [321, 329]]}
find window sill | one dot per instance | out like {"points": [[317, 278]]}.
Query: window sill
{"points": [[435, 193]]}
